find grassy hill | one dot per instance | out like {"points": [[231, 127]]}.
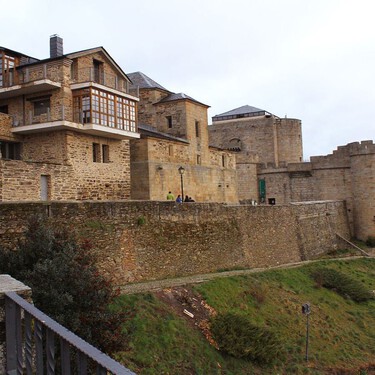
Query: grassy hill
{"points": [[163, 339]]}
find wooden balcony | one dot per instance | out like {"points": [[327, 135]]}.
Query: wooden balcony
{"points": [[61, 121]]}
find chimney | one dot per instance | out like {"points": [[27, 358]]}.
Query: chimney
{"points": [[55, 46]]}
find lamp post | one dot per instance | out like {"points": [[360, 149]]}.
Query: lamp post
{"points": [[306, 310], [181, 171]]}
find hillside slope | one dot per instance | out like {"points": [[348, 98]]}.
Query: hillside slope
{"points": [[169, 331]]}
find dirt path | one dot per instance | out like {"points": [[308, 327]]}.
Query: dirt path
{"points": [[196, 279]]}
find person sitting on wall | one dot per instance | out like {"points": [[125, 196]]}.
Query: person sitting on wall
{"points": [[179, 199], [188, 199], [170, 196]]}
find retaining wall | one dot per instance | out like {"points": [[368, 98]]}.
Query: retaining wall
{"points": [[154, 240]]}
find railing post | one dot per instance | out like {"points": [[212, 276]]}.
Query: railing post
{"points": [[38, 336], [11, 337]]}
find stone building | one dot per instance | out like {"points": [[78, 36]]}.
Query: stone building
{"points": [[256, 136], [347, 174], [174, 134], [65, 126], [270, 167]]}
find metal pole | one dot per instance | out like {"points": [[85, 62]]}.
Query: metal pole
{"points": [[182, 188], [307, 337]]}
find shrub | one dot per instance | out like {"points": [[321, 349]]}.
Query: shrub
{"points": [[66, 284], [370, 242], [238, 337], [341, 284]]}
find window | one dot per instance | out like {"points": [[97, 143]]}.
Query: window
{"points": [[198, 159], [41, 106], [170, 150], [98, 72], [169, 121], [4, 109], [10, 150], [7, 70], [197, 129], [96, 152], [105, 153], [102, 108], [223, 160]]}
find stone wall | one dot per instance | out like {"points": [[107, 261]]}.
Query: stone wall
{"points": [[346, 174], [275, 141], [154, 172], [66, 158], [154, 240]]}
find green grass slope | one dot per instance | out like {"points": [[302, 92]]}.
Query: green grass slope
{"points": [[342, 332]]}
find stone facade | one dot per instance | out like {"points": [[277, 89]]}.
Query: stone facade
{"points": [[262, 138], [66, 128], [269, 154], [347, 174], [154, 240], [175, 134]]}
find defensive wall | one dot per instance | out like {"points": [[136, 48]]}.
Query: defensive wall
{"points": [[346, 174], [138, 241]]}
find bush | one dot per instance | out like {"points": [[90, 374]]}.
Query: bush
{"points": [[238, 337], [66, 283], [370, 242], [341, 284]]}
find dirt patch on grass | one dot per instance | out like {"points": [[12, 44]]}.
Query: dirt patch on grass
{"points": [[190, 306]]}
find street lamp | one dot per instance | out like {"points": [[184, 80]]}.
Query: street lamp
{"points": [[306, 310], [181, 171]]}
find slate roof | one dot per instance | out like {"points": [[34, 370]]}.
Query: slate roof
{"points": [[148, 130], [140, 80], [180, 96], [241, 112]]}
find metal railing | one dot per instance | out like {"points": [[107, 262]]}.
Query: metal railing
{"points": [[32, 74], [31, 348]]}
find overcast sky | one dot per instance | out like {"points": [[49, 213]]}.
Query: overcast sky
{"points": [[311, 60]]}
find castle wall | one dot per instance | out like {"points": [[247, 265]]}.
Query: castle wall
{"points": [[275, 141], [153, 240], [346, 174], [289, 140]]}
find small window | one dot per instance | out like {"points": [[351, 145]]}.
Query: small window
{"points": [[4, 109], [105, 153], [98, 71], [197, 129], [198, 159], [96, 152], [169, 121], [170, 150], [41, 106], [10, 150], [223, 160]]}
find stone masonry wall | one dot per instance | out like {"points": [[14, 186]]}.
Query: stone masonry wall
{"points": [[346, 174], [154, 240], [273, 140], [154, 172]]}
